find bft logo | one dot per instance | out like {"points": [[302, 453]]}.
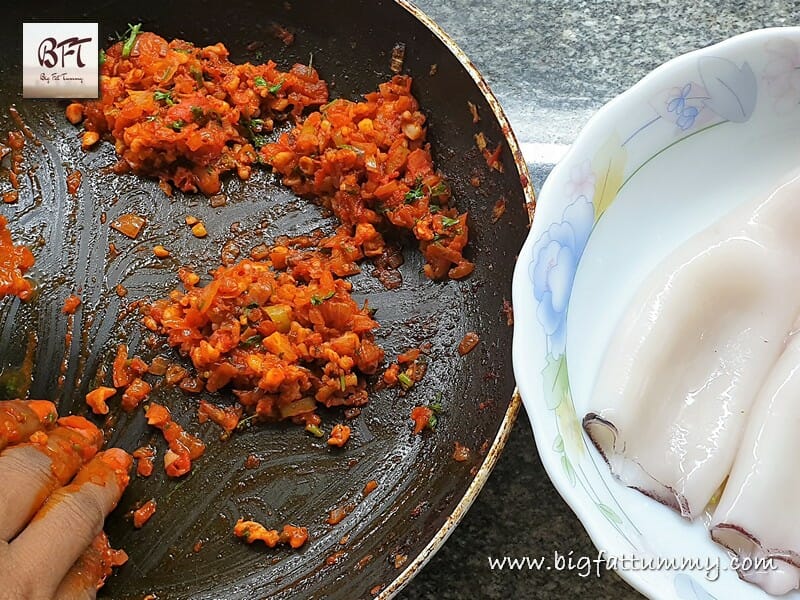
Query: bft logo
{"points": [[52, 52], [60, 60]]}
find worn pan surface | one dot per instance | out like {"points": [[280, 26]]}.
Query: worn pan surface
{"points": [[422, 491]]}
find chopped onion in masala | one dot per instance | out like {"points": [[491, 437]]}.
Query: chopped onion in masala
{"points": [[187, 114], [284, 334], [369, 163]]}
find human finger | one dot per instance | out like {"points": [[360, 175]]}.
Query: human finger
{"points": [[68, 522], [30, 472], [90, 571], [19, 419]]}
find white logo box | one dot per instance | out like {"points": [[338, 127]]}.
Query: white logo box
{"points": [[60, 60]]}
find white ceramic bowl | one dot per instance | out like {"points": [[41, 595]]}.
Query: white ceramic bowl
{"points": [[699, 135]]}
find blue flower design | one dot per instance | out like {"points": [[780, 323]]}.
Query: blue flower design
{"points": [[552, 270], [685, 114]]}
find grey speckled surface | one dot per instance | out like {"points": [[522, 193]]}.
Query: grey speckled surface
{"points": [[552, 64]]}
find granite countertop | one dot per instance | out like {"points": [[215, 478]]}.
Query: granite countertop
{"points": [[552, 64]]}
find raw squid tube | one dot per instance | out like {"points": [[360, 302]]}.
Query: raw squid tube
{"points": [[756, 517], [693, 349]]}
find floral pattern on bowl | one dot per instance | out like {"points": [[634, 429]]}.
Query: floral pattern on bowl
{"points": [[744, 90]]}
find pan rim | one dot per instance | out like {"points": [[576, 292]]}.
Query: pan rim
{"points": [[510, 417]]}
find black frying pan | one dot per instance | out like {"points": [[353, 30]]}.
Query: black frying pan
{"points": [[422, 491]]}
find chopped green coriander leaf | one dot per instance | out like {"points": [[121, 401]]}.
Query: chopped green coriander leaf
{"points": [[343, 382], [435, 406], [167, 74], [273, 89], [432, 421], [166, 97], [439, 189], [448, 222], [434, 208], [177, 125], [325, 107], [102, 57], [416, 194], [245, 422], [252, 341], [317, 300], [255, 124], [405, 380], [197, 112], [197, 74], [133, 31], [260, 140], [314, 430], [355, 149], [260, 81]]}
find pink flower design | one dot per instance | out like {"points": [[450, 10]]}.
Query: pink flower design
{"points": [[782, 74], [582, 181]]}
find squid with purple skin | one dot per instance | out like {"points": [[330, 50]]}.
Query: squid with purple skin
{"points": [[694, 348], [757, 515]]}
